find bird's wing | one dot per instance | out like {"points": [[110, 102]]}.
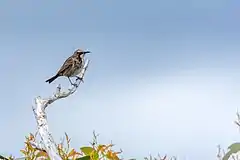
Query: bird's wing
{"points": [[66, 65]]}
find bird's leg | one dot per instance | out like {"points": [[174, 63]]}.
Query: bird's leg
{"points": [[70, 81], [75, 85], [78, 78]]}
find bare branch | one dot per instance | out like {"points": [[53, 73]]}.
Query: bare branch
{"points": [[41, 117]]}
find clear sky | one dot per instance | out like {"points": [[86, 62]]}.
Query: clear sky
{"points": [[164, 76]]}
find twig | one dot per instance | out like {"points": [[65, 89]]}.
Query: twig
{"points": [[37, 146], [219, 153], [41, 117]]}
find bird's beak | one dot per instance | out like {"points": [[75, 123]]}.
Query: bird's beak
{"points": [[85, 52]]}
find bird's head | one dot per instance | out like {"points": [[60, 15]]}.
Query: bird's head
{"points": [[80, 53]]}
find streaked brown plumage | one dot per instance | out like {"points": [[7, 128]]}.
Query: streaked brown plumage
{"points": [[71, 67]]}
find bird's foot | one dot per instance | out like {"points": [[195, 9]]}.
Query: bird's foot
{"points": [[75, 85], [81, 79]]}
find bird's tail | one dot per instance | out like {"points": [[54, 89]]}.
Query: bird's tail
{"points": [[52, 79]]}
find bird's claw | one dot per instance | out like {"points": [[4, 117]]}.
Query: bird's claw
{"points": [[75, 85], [81, 79]]}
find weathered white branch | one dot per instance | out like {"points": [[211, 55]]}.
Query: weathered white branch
{"points": [[41, 117]]}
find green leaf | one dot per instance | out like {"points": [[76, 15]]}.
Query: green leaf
{"points": [[42, 154], [234, 148], [84, 158], [3, 158], [87, 150], [95, 155]]}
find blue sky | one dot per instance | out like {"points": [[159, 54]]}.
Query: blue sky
{"points": [[164, 75]]}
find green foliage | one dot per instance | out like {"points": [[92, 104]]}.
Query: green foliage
{"points": [[94, 152], [84, 158], [87, 150], [233, 148], [3, 158]]}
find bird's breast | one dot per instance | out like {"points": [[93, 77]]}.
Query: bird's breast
{"points": [[76, 68], [77, 72]]}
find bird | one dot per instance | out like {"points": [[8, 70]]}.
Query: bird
{"points": [[71, 67]]}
